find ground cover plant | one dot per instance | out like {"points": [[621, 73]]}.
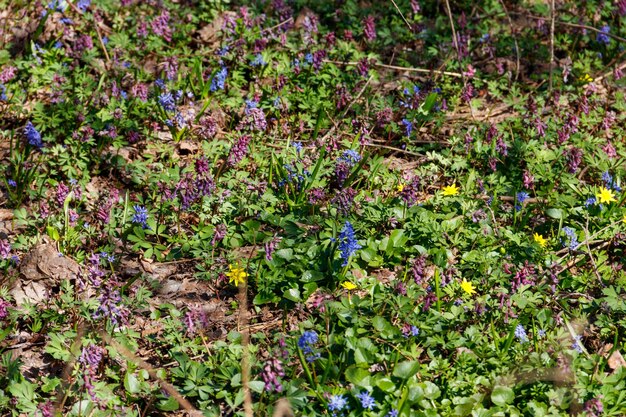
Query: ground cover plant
{"points": [[340, 208]]}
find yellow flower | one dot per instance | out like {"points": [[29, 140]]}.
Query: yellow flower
{"points": [[236, 275], [468, 287], [542, 241], [348, 285], [586, 78], [400, 187], [624, 219], [605, 196], [450, 190]]}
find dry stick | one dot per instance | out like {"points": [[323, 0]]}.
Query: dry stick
{"points": [[243, 322], [593, 261], [62, 392], [401, 15], [397, 68], [575, 25], [332, 129], [95, 24], [169, 388], [284, 22], [552, 16], [458, 51], [517, 57], [606, 74]]}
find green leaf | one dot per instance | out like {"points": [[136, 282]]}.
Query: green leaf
{"points": [[554, 213], [406, 369], [502, 395], [292, 294], [358, 376], [131, 383], [169, 404]]}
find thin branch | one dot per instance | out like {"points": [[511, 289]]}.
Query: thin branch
{"points": [[517, 57], [401, 15], [397, 68], [552, 17]]}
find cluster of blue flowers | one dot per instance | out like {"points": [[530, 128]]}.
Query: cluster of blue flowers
{"points": [[141, 216], [408, 126], [306, 343], [603, 36], [520, 333], [258, 61], [337, 403], [609, 182], [367, 401], [218, 81], [33, 136], [571, 240], [349, 157], [348, 244], [521, 197]]}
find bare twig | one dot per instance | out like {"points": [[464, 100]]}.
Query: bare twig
{"points": [[401, 15], [552, 18], [517, 57], [606, 74], [169, 388], [334, 128], [397, 68]]}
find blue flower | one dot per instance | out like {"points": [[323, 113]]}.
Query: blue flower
{"points": [[348, 244], [167, 101], [140, 216], [350, 157], [577, 344], [306, 343], [33, 136], [258, 61], [83, 5], [572, 239], [590, 202], [521, 197], [393, 413], [408, 125], [12, 183], [367, 401], [415, 331], [541, 333], [520, 333], [602, 36], [160, 83], [337, 403], [217, 83], [3, 92], [297, 146]]}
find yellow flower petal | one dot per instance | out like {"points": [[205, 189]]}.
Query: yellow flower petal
{"points": [[468, 287], [542, 241], [236, 275], [450, 190], [348, 285], [400, 187], [605, 196]]}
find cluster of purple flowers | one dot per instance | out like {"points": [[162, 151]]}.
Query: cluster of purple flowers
{"points": [[525, 276], [195, 319], [160, 26], [271, 374], [4, 306], [307, 342], [369, 28], [409, 193], [239, 150], [348, 244], [90, 358], [410, 330]]}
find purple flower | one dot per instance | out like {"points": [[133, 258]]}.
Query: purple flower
{"points": [[239, 150], [4, 305], [33, 136], [272, 371], [160, 26], [83, 5], [369, 28]]}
